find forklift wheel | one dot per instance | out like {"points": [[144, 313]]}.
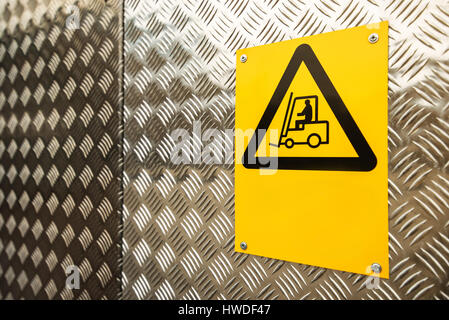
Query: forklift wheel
{"points": [[289, 143], [314, 140]]}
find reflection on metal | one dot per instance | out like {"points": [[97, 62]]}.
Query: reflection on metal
{"points": [[59, 149], [180, 67]]}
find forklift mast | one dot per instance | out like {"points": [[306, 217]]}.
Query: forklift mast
{"points": [[291, 108]]}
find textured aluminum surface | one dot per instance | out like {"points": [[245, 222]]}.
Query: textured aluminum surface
{"points": [[59, 149], [179, 67]]}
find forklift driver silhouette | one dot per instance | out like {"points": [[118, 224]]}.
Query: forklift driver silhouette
{"points": [[307, 113]]}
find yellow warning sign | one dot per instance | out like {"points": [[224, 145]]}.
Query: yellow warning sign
{"points": [[311, 175]]}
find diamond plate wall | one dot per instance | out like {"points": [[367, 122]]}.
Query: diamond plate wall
{"points": [[178, 219], [59, 148]]}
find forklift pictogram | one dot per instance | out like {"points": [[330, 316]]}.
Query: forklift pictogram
{"points": [[311, 132], [303, 127]]}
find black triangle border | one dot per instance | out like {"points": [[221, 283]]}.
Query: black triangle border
{"points": [[366, 160]]}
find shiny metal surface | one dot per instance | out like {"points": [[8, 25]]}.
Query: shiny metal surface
{"points": [[59, 149], [178, 219]]}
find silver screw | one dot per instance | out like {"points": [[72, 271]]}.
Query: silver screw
{"points": [[373, 38], [243, 58], [243, 245], [376, 268]]}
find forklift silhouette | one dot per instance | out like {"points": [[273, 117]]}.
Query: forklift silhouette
{"points": [[301, 125]]}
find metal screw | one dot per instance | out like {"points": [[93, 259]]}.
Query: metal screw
{"points": [[243, 58], [243, 245], [373, 38], [376, 268]]}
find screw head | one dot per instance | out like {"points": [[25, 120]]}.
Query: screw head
{"points": [[376, 268], [243, 245], [243, 58], [373, 38]]}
